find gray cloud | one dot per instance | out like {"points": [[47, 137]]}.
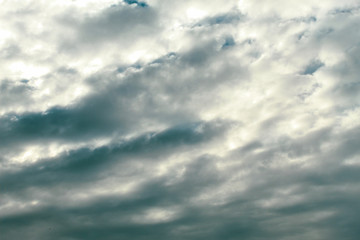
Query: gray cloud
{"points": [[313, 67], [84, 164], [179, 120]]}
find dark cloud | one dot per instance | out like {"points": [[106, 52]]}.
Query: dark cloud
{"points": [[55, 123], [86, 164], [229, 41], [15, 93], [140, 4], [164, 120], [228, 18], [313, 67], [317, 201], [118, 106]]}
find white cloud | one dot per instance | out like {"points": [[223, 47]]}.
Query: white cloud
{"points": [[179, 119]]}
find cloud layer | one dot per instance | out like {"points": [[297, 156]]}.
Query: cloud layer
{"points": [[179, 120]]}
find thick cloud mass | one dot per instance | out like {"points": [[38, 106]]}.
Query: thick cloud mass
{"points": [[179, 120]]}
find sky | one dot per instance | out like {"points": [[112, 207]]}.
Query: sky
{"points": [[155, 119]]}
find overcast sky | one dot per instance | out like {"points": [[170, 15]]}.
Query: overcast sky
{"points": [[179, 120]]}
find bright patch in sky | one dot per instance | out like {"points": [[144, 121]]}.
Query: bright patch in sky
{"points": [[194, 13]]}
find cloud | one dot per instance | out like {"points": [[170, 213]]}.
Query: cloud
{"points": [[313, 67], [179, 120], [140, 4]]}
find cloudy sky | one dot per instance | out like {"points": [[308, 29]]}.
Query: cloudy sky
{"points": [[159, 119]]}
